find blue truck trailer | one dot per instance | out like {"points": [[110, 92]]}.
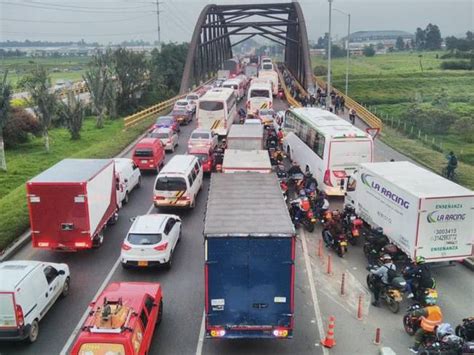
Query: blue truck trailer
{"points": [[249, 258]]}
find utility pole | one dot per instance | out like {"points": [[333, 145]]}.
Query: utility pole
{"points": [[328, 89], [348, 41], [158, 23]]}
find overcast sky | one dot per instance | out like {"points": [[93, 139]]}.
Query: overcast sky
{"points": [[117, 20]]}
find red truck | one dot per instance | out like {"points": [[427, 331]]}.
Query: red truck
{"points": [[71, 203]]}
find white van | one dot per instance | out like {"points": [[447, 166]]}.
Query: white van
{"points": [[259, 97], [128, 177], [28, 289], [237, 84], [179, 182]]}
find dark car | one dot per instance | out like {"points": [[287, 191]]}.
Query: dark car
{"points": [[182, 115], [166, 122]]}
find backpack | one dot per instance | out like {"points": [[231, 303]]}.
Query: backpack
{"points": [[453, 161], [391, 273]]}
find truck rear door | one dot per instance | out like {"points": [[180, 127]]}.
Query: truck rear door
{"points": [[270, 274]]}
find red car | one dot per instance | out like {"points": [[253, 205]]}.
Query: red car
{"points": [[166, 122], [149, 154], [205, 156], [122, 320], [182, 115]]}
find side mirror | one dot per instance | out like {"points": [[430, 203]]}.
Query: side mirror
{"points": [[62, 272], [132, 219], [126, 180]]}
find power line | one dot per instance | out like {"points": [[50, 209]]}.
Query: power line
{"points": [[102, 11], [60, 5], [55, 34], [75, 22]]}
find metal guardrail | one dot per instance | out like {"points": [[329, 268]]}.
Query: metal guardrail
{"points": [[136, 118], [365, 115]]}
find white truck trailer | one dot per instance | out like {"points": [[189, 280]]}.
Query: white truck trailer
{"points": [[421, 212], [245, 137], [237, 161]]}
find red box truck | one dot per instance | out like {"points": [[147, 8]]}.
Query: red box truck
{"points": [[71, 203]]}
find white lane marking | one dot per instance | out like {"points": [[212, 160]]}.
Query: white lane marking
{"points": [[314, 295], [201, 334], [77, 329]]}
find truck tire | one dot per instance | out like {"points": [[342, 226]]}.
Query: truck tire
{"points": [[34, 331], [98, 240], [112, 220], [66, 288], [139, 183], [127, 197], [170, 261]]}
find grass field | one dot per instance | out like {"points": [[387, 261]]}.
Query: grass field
{"points": [[389, 83], [31, 158], [66, 68]]}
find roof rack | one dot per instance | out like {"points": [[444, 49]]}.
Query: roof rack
{"points": [[112, 317]]}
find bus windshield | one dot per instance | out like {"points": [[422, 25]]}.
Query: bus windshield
{"points": [[260, 93], [211, 105]]}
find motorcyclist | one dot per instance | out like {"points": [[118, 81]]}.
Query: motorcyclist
{"points": [[310, 183], [278, 156], [332, 228], [382, 279], [272, 140], [430, 316], [242, 113], [418, 276], [452, 165], [280, 136], [321, 205]]}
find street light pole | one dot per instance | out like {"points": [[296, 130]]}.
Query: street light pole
{"points": [[348, 41], [328, 90]]}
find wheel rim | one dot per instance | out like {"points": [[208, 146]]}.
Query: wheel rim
{"points": [[34, 331]]}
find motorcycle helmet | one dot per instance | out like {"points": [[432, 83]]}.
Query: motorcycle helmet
{"points": [[444, 329], [386, 257], [430, 300], [419, 260], [302, 193], [390, 249]]}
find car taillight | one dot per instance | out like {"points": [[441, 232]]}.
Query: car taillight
{"points": [[217, 332], [340, 174], [80, 244], [327, 177], [161, 247], [20, 319], [281, 333], [184, 197], [159, 197], [126, 247]]}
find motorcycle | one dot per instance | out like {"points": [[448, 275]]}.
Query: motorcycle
{"points": [[465, 330], [411, 324], [338, 243], [351, 224], [374, 242], [391, 294], [300, 216]]}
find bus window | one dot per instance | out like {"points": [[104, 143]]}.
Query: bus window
{"points": [[318, 146], [211, 105], [260, 93]]}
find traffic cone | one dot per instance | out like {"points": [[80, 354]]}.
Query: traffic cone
{"points": [[329, 341]]}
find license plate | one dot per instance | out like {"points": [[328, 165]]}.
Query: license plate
{"points": [[344, 244], [143, 263], [144, 161]]}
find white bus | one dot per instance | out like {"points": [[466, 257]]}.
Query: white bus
{"points": [[259, 96], [237, 84], [217, 110], [326, 145], [271, 76]]}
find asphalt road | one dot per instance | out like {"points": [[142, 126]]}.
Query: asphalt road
{"points": [[180, 332]]}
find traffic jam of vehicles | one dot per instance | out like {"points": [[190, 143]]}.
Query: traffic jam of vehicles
{"points": [[289, 166]]}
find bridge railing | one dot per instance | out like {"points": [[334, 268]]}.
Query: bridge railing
{"points": [[364, 114], [289, 98], [136, 118]]}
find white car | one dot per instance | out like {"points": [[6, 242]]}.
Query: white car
{"points": [[192, 99], [167, 136], [128, 178], [151, 241], [28, 289], [183, 103], [202, 137]]}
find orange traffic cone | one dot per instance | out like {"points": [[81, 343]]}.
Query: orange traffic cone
{"points": [[329, 341]]}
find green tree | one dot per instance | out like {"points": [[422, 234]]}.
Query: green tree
{"points": [[5, 97], [42, 98], [369, 51], [97, 78], [400, 44], [380, 46], [465, 127], [420, 39], [433, 37], [72, 111], [130, 69]]}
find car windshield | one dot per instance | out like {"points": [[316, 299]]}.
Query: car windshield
{"points": [[179, 112], [267, 66], [144, 239], [192, 97], [259, 93], [164, 121], [200, 135], [143, 153], [166, 183], [159, 135], [181, 103]]}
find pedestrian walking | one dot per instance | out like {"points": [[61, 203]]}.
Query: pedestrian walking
{"points": [[352, 115], [343, 103], [312, 100], [337, 104]]}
